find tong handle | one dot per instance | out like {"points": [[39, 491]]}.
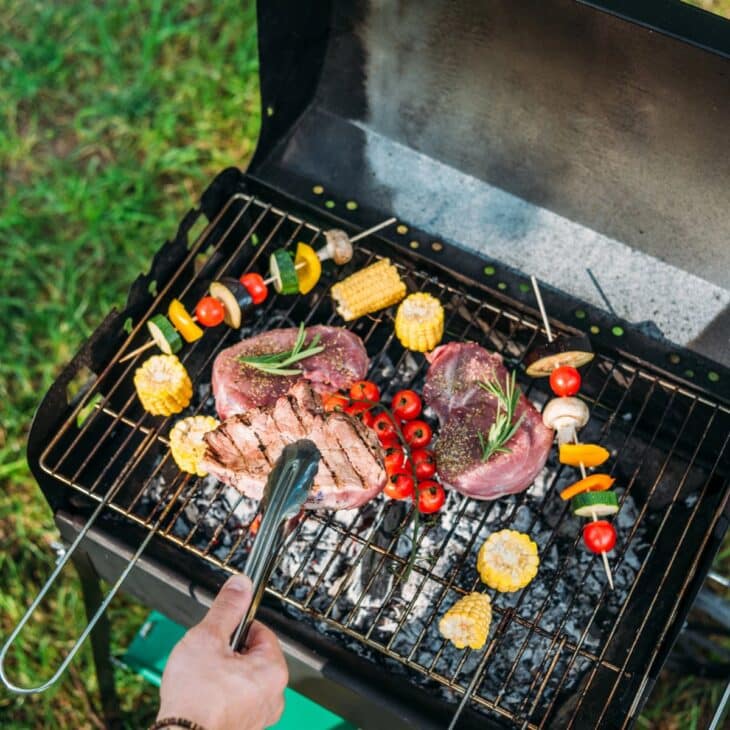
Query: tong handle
{"points": [[286, 490]]}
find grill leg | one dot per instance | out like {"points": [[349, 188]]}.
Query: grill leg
{"points": [[100, 644]]}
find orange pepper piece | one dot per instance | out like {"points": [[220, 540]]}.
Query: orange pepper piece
{"points": [[592, 483], [586, 454]]}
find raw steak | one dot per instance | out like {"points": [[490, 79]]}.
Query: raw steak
{"points": [[242, 450], [465, 410], [238, 387]]}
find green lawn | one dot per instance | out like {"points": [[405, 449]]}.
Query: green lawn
{"points": [[113, 118]]}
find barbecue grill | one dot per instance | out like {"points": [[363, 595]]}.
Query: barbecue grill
{"points": [[371, 110]]}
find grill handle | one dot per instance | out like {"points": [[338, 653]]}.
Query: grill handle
{"points": [[284, 494]]}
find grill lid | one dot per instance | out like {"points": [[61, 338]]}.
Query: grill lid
{"points": [[515, 130]]}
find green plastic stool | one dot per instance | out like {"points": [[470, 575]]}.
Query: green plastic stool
{"points": [[148, 652]]}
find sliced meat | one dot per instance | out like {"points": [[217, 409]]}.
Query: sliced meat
{"points": [[465, 410], [238, 387], [242, 449]]}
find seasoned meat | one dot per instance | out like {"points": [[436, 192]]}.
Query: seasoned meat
{"points": [[465, 410], [242, 450], [238, 387]]}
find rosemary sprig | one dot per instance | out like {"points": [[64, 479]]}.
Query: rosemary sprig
{"points": [[278, 363], [503, 428]]}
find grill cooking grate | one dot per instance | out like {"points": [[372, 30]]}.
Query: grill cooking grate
{"points": [[549, 644]]}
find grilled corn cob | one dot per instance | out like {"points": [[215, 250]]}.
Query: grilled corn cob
{"points": [[419, 322], [368, 290], [507, 561], [163, 385], [467, 622], [186, 442]]}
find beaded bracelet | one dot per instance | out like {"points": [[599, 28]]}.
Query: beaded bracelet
{"points": [[169, 722]]}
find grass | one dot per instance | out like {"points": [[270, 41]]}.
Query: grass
{"points": [[113, 118]]}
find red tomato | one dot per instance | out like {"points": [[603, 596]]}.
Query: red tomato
{"points": [[368, 417], [365, 390], [335, 402], [431, 497], [396, 462], [255, 286], [565, 380], [417, 434], [356, 407], [599, 536], [399, 486], [383, 426], [388, 440], [406, 404], [425, 463], [210, 311]]}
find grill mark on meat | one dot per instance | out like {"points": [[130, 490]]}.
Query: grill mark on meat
{"points": [[303, 415], [353, 445]]}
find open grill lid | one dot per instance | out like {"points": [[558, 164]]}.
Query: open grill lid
{"points": [[430, 110]]}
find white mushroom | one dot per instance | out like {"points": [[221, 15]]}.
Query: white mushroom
{"points": [[338, 248], [566, 416]]}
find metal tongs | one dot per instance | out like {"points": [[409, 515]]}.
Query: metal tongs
{"points": [[286, 489]]}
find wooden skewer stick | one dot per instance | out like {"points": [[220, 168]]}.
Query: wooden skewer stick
{"points": [[540, 304], [374, 229], [136, 352], [583, 474]]}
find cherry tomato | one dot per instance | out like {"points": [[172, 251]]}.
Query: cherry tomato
{"points": [[210, 311], [431, 497], [396, 462], [599, 536], [255, 286], [399, 486], [368, 417], [356, 408], [388, 440], [424, 462], [406, 404], [565, 380], [383, 426], [365, 390], [417, 434], [335, 402]]}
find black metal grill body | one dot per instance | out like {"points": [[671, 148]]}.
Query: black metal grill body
{"points": [[588, 653], [564, 653]]}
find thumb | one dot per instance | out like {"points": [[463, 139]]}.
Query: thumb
{"points": [[229, 606]]}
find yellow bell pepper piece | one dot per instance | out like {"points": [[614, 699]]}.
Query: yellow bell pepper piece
{"points": [[308, 266], [587, 454], [592, 483], [183, 322]]}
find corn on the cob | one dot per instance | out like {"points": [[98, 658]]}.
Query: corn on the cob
{"points": [[186, 442], [507, 560], [368, 290], [467, 622], [419, 322], [163, 385]]}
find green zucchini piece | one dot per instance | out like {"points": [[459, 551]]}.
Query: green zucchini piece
{"points": [[281, 266], [600, 504], [164, 334], [574, 351], [235, 299]]}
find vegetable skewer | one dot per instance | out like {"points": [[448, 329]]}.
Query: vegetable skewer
{"points": [[338, 247], [579, 420], [288, 277]]}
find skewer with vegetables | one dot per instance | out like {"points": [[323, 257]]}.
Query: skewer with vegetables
{"points": [[567, 414], [230, 298]]}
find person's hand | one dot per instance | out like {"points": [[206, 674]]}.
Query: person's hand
{"points": [[208, 683]]}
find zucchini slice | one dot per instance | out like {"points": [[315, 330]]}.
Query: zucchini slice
{"points": [[234, 297], [574, 351], [600, 504], [283, 272], [164, 334]]}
